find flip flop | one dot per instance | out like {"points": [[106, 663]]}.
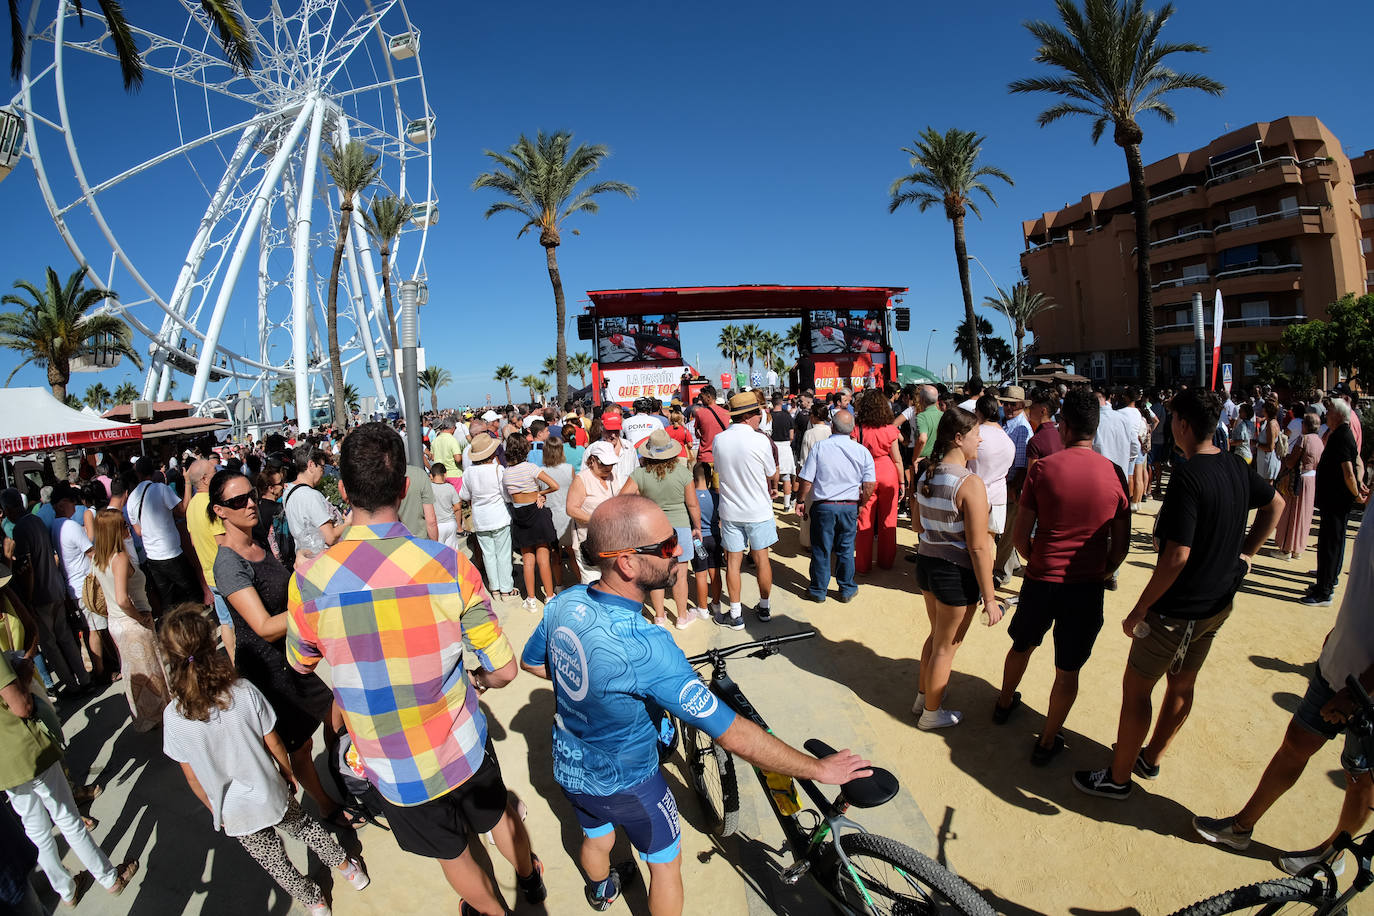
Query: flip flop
{"points": [[1000, 713]]}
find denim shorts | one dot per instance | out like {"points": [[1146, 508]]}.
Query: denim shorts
{"points": [[736, 537], [648, 812], [221, 609], [1355, 756]]}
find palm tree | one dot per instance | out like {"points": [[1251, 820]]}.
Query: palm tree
{"points": [[283, 394], [946, 172], [965, 342], [127, 393], [388, 216], [729, 344], [541, 177], [505, 373], [550, 366], [749, 344], [1113, 69], [351, 398], [770, 345], [542, 388], [793, 339], [96, 397], [1020, 306], [238, 46], [578, 364], [51, 328], [432, 379], [531, 382], [352, 168]]}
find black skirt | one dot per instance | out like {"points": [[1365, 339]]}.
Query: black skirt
{"points": [[531, 526]]}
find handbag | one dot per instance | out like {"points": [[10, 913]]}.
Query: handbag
{"points": [[93, 596]]}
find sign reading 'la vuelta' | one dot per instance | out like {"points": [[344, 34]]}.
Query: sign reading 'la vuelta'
{"points": [[48, 441]]}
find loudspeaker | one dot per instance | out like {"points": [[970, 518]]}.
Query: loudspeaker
{"points": [[586, 327], [903, 318]]}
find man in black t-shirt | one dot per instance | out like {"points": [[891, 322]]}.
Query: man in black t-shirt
{"points": [[783, 426], [1338, 491], [1205, 553]]}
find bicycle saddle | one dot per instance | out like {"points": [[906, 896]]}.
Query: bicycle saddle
{"points": [[866, 791]]}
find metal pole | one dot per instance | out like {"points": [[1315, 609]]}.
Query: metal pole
{"points": [[301, 269], [1200, 338], [926, 364], [410, 339]]}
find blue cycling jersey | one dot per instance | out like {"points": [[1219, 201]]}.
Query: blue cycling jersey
{"points": [[614, 673]]}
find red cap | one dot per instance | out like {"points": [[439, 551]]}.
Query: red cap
{"points": [[610, 421]]}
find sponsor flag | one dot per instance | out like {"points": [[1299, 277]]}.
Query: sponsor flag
{"points": [[1217, 321]]}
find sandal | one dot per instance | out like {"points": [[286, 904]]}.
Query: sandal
{"points": [[348, 817], [1000, 713]]}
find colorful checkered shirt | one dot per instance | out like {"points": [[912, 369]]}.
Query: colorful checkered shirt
{"points": [[392, 614]]}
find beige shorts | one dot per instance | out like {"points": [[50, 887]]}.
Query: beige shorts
{"points": [[997, 518], [1174, 645]]}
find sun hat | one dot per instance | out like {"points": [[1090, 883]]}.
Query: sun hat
{"points": [[490, 416], [483, 447], [744, 404], [611, 421], [659, 445], [603, 452], [1015, 394]]}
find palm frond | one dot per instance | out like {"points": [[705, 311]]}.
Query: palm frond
{"points": [[16, 48], [238, 46], [130, 62]]}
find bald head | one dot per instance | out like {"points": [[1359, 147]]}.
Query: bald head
{"points": [[200, 472], [619, 523], [928, 395], [842, 424]]}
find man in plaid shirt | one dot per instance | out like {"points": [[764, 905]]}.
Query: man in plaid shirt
{"points": [[394, 616]]}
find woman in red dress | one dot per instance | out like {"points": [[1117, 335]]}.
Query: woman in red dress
{"points": [[874, 430]]}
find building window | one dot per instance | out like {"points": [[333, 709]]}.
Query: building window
{"points": [[1366, 211], [1367, 245]]}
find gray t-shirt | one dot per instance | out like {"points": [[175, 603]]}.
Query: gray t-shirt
{"points": [[419, 494], [306, 511], [445, 497], [230, 760]]}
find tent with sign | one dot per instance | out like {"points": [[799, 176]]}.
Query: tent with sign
{"points": [[32, 420], [915, 375]]}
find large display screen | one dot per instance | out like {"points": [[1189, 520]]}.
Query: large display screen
{"points": [[846, 330], [634, 338]]}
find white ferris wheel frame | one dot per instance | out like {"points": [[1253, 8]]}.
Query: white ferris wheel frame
{"points": [[285, 114]]}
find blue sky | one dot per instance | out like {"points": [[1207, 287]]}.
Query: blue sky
{"points": [[762, 139]]}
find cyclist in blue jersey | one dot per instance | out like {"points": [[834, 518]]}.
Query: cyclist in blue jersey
{"points": [[614, 675]]}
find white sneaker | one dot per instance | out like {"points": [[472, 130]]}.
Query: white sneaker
{"points": [[920, 705], [354, 873], [532, 605], [320, 909], [686, 619], [1295, 862], [932, 719]]}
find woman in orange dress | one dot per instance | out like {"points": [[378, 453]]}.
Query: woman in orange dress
{"points": [[874, 430]]}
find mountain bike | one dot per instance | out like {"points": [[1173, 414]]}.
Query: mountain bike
{"points": [[862, 873], [1314, 891]]}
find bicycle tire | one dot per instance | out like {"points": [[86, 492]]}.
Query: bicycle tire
{"points": [[930, 888], [1266, 897], [712, 770]]}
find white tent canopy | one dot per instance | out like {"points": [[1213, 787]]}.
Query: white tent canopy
{"points": [[32, 420]]}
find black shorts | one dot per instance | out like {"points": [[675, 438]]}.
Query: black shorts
{"points": [[715, 559], [1074, 609], [439, 828], [531, 526], [950, 583]]}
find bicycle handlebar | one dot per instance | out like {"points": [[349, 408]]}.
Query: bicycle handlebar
{"points": [[713, 655], [1361, 695]]}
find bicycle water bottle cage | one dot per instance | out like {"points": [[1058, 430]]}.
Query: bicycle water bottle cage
{"points": [[764, 652], [865, 792]]}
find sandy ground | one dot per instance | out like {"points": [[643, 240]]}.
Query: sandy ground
{"points": [[1023, 835]]}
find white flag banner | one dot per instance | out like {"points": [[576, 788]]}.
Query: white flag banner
{"points": [[1218, 319]]}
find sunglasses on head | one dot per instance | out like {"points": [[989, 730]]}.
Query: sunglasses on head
{"points": [[237, 502], [665, 549]]}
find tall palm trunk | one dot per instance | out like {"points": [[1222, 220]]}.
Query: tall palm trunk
{"points": [[58, 376], [1020, 350], [560, 312], [1141, 205], [508, 400], [961, 256], [331, 316], [394, 344]]}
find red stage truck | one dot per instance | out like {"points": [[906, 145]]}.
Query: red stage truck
{"points": [[845, 338]]}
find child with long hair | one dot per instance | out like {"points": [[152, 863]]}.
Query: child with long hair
{"points": [[130, 618], [220, 729], [953, 559]]}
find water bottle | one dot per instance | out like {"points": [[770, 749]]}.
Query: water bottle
{"points": [[698, 549], [1141, 630]]}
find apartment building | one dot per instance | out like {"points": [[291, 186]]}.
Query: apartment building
{"points": [[1268, 214]]}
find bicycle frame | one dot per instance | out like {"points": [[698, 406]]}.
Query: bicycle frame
{"points": [[807, 846]]}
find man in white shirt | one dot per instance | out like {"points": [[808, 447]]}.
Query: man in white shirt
{"points": [[308, 514], [75, 549], [1113, 439], [748, 476], [1229, 412], [638, 427], [154, 508], [974, 389]]}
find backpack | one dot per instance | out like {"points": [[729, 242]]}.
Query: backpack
{"points": [[279, 535]]}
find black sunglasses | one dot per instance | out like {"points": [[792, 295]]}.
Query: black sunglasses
{"points": [[665, 549], [237, 502]]}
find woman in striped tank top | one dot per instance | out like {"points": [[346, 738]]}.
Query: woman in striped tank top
{"points": [[953, 559]]}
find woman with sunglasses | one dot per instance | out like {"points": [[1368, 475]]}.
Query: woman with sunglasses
{"points": [[254, 584]]}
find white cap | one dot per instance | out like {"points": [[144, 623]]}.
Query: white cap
{"points": [[490, 416]]}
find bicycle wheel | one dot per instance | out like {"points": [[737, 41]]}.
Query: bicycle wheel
{"points": [[1281, 895], [887, 877], [713, 776]]}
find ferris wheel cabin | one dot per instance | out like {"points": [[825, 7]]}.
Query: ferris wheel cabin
{"points": [[405, 45], [426, 214], [421, 130], [11, 140]]}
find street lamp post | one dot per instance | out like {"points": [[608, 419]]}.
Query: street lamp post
{"points": [[410, 381], [926, 364], [1016, 370]]}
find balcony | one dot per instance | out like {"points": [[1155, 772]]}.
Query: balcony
{"points": [[1267, 218], [1181, 192], [1178, 333], [1193, 280], [1255, 269], [1263, 166], [1181, 237]]}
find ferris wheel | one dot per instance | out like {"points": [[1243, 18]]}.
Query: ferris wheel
{"points": [[204, 201]]}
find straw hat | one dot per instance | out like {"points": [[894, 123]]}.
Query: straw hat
{"points": [[483, 447], [1014, 394], [659, 446], [744, 404]]}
